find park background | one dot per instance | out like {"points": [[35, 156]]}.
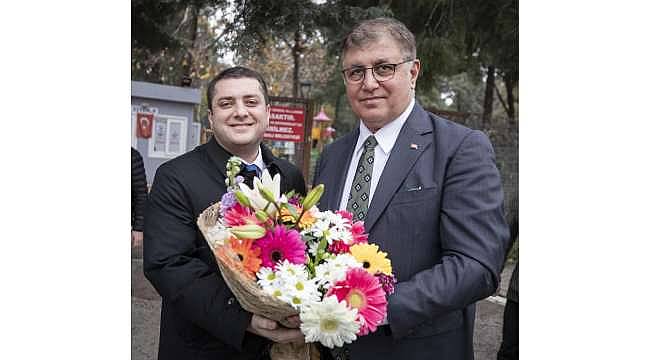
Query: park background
{"points": [[469, 52]]}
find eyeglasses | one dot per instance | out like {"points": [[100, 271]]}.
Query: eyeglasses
{"points": [[381, 72]]}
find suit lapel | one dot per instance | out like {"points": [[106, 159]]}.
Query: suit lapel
{"points": [[218, 155], [413, 140], [341, 156]]}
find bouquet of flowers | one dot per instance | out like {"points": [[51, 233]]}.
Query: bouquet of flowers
{"points": [[281, 256]]}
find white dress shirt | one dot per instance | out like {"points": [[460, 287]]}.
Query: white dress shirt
{"points": [[386, 137], [258, 160]]}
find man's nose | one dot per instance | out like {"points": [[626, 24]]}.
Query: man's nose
{"points": [[369, 82], [240, 110]]}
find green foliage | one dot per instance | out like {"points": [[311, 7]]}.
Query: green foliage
{"points": [[456, 41], [258, 22], [150, 22], [171, 40]]}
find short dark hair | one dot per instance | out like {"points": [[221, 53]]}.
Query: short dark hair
{"points": [[237, 72], [372, 30]]}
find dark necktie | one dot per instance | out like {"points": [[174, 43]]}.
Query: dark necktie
{"points": [[249, 172], [360, 190]]}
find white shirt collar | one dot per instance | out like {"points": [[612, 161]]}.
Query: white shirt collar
{"points": [[258, 160], [387, 135]]}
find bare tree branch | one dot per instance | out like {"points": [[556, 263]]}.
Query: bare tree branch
{"points": [[503, 103]]}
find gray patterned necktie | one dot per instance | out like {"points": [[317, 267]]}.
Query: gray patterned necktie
{"points": [[360, 190]]}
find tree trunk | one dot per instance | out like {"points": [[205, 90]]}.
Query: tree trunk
{"points": [[295, 51], [189, 72], [489, 96], [510, 84]]}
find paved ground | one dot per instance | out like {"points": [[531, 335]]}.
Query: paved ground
{"points": [[145, 317]]}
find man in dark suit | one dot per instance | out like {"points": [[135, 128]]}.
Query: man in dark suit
{"points": [[429, 193], [200, 317]]}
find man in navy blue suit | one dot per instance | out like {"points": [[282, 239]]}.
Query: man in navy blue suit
{"points": [[429, 193]]}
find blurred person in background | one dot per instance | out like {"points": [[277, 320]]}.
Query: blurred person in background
{"points": [[138, 198]]}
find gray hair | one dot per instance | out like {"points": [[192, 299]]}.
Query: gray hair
{"points": [[369, 31]]}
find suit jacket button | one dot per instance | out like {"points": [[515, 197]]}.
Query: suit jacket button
{"points": [[231, 301]]}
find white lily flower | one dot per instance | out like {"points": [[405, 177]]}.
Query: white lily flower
{"points": [[255, 196]]}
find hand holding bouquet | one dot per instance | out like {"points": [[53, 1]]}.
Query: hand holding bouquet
{"points": [[281, 256]]}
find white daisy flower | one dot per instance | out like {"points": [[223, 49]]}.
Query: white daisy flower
{"points": [[279, 291], [302, 291], [337, 220], [325, 275], [340, 233], [266, 277], [345, 261], [332, 226], [313, 248], [329, 322], [333, 270], [319, 228], [287, 271]]}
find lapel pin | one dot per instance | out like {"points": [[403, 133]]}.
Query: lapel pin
{"points": [[414, 146]]}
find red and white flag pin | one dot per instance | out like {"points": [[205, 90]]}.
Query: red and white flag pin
{"points": [[414, 146]]}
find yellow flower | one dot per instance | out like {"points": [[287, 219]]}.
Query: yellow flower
{"points": [[285, 215], [373, 260], [306, 220]]}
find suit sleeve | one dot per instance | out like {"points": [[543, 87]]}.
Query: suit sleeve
{"points": [[174, 265], [474, 238]]}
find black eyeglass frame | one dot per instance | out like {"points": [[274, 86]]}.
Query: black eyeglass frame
{"points": [[365, 70]]}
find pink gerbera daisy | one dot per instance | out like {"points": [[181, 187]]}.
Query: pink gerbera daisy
{"points": [[240, 215], [358, 233], [363, 292], [279, 244]]}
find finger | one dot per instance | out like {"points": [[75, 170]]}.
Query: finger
{"points": [[289, 336], [265, 323], [294, 321]]}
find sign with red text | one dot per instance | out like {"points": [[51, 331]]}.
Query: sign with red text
{"points": [[286, 124]]}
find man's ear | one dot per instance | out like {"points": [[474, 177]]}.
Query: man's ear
{"points": [[414, 72], [210, 116]]}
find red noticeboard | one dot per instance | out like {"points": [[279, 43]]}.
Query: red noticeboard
{"points": [[286, 124], [144, 122]]}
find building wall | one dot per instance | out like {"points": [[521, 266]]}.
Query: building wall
{"points": [[169, 100], [166, 108]]}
